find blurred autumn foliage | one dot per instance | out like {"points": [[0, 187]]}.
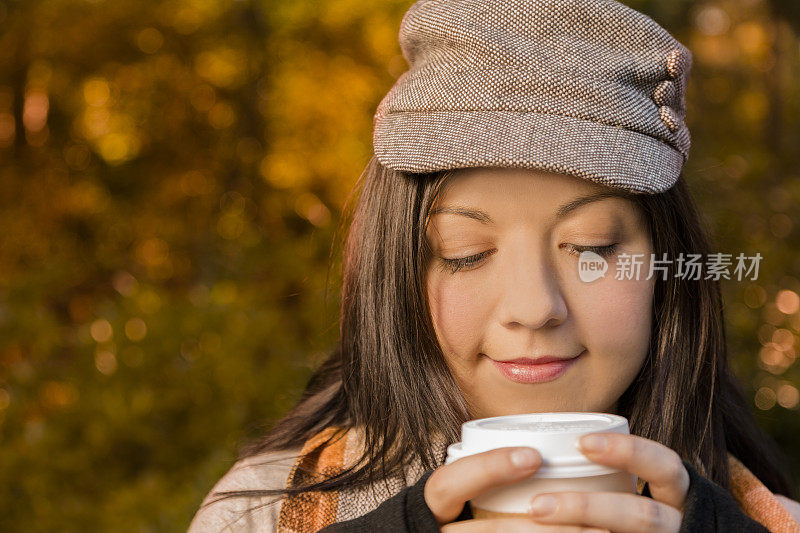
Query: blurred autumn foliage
{"points": [[172, 177]]}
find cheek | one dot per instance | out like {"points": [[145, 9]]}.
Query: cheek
{"points": [[459, 311], [615, 317]]}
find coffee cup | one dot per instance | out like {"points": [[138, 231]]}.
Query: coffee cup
{"points": [[564, 467]]}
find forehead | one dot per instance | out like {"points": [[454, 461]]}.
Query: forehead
{"points": [[491, 183], [510, 191]]}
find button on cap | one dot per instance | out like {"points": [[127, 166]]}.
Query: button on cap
{"points": [[670, 117], [665, 93], [676, 62]]}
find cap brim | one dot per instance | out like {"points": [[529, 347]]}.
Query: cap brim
{"points": [[427, 141]]}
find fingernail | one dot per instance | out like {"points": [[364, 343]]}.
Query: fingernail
{"points": [[593, 443], [543, 505], [524, 458]]}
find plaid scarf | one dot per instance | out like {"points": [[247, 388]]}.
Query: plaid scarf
{"points": [[328, 451]]}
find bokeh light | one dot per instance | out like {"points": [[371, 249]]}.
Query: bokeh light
{"points": [[788, 302]]}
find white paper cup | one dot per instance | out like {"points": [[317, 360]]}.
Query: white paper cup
{"points": [[564, 467]]}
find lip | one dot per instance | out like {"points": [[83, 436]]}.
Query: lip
{"points": [[539, 370]]}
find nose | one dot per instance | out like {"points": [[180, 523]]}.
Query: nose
{"points": [[533, 296]]}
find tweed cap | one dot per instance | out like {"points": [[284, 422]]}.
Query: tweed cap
{"points": [[590, 88]]}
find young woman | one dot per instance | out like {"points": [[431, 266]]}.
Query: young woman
{"points": [[463, 253]]}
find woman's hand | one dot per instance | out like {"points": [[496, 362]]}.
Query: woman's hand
{"points": [[451, 486], [620, 512]]}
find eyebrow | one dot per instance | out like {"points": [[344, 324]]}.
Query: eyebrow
{"points": [[562, 211]]}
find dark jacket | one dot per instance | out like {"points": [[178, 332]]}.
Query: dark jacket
{"points": [[708, 508]]}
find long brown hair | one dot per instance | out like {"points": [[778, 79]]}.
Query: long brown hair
{"points": [[684, 396]]}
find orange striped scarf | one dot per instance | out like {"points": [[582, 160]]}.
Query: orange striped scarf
{"points": [[311, 511]]}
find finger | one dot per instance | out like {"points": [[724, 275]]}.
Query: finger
{"points": [[452, 485], [617, 511], [657, 464], [513, 525]]}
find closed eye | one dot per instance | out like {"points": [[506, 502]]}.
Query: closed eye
{"points": [[454, 265], [602, 251]]}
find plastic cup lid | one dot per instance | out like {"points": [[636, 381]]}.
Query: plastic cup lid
{"points": [[554, 435]]}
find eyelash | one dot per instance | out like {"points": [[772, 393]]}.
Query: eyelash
{"points": [[602, 251], [454, 265]]}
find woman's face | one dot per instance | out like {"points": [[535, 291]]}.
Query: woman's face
{"points": [[524, 297]]}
